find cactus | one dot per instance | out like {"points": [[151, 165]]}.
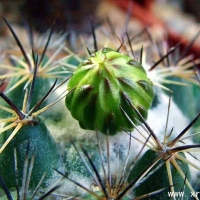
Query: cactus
{"points": [[24, 193], [105, 167], [101, 85], [114, 154], [21, 129], [172, 160]]}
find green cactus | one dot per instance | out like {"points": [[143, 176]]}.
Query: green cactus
{"points": [[107, 93], [21, 129], [41, 145], [160, 177], [174, 172], [100, 87]]}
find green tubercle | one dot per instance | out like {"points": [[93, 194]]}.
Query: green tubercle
{"points": [[103, 85], [41, 145], [159, 178]]}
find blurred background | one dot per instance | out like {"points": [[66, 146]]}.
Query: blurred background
{"points": [[178, 18], [75, 13]]}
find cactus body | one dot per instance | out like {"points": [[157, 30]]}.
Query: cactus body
{"points": [[73, 162], [41, 144], [159, 179], [102, 85]]}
